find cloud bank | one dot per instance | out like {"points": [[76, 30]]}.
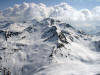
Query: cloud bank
{"points": [[84, 18]]}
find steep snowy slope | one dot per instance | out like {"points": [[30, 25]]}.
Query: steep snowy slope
{"points": [[47, 47]]}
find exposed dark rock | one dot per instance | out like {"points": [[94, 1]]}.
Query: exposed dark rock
{"points": [[16, 50], [61, 54], [60, 45], [20, 44], [9, 34], [52, 29], [3, 48], [66, 32], [29, 29], [81, 32], [52, 21], [97, 45], [76, 37], [68, 25], [63, 38], [71, 38], [0, 58], [23, 37], [51, 37]]}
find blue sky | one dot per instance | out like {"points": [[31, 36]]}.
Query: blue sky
{"points": [[75, 3]]}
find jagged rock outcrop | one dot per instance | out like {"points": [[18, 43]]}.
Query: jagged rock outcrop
{"points": [[34, 47]]}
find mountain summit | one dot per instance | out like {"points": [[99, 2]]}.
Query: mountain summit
{"points": [[47, 47]]}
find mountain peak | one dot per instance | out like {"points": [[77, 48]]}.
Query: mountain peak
{"points": [[37, 46]]}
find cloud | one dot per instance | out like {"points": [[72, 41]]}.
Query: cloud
{"points": [[85, 19], [26, 11]]}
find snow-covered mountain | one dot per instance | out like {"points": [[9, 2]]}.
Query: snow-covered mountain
{"points": [[85, 19], [47, 47]]}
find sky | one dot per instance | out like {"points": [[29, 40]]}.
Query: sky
{"points": [[78, 4]]}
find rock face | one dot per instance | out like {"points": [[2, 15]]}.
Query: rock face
{"points": [[47, 47]]}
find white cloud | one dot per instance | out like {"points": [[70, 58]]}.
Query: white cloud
{"points": [[83, 18]]}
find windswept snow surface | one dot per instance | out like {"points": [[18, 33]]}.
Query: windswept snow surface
{"points": [[46, 47]]}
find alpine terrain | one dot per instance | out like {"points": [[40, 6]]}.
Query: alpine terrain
{"points": [[47, 47]]}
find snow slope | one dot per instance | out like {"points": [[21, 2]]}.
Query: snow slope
{"points": [[47, 47]]}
